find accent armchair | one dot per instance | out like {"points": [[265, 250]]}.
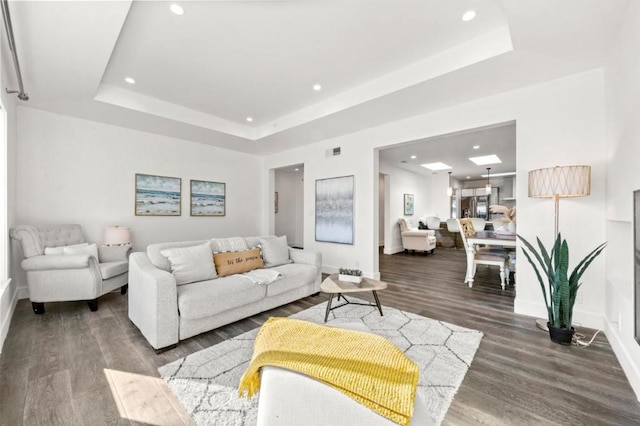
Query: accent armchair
{"points": [[53, 276], [417, 239]]}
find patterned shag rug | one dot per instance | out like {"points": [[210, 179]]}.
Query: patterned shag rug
{"points": [[206, 382]]}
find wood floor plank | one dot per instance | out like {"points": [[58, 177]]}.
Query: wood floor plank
{"points": [[518, 377]]}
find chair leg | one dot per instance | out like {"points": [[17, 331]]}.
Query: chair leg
{"points": [[93, 305], [38, 308], [124, 288], [502, 277]]}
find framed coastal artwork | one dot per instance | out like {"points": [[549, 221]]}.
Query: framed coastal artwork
{"points": [[208, 198], [408, 204], [158, 195], [334, 210]]}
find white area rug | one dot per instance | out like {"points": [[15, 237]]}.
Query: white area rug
{"points": [[206, 382]]}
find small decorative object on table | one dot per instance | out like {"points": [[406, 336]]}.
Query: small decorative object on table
{"points": [[350, 275]]}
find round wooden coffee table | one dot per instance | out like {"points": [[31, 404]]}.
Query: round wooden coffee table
{"points": [[333, 286]]}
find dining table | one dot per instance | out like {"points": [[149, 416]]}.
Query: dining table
{"points": [[488, 238]]}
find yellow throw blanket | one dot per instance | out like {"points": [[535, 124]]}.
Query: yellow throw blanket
{"points": [[368, 368]]}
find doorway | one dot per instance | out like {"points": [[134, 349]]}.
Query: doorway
{"points": [[289, 204]]}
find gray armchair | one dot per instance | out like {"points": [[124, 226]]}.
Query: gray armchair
{"points": [[68, 277]]}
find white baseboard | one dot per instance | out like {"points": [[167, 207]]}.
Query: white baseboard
{"points": [[6, 320], [393, 250], [22, 293], [629, 363], [538, 310]]}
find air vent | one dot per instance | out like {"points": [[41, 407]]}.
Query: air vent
{"points": [[333, 152]]}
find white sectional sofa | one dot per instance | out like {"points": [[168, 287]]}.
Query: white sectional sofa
{"points": [[167, 311]]}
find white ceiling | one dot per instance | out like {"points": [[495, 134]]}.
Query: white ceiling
{"points": [[199, 75], [455, 150]]}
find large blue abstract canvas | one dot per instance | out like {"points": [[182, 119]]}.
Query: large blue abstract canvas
{"points": [[334, 210]]}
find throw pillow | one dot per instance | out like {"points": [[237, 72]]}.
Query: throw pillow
{"points": [[237, 262], [90, 249], [275, 251], [60, 250], [190, 264]]}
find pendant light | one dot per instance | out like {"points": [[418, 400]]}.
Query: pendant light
{"points": [[487, 188], [450, 188]]}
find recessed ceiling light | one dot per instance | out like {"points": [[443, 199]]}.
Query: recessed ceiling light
{"points": [[296, 169], [469, 15], [476, 147], [249, 119], [436, 166], [177, 9], [130, 80], [468, 177], [317, 87], [486, 159], [413, 157]]}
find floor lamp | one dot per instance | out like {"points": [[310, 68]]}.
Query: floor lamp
{"points": [[559, 182]]}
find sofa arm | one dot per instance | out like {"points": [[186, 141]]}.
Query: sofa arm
{"points": [[52, 262], [306, 256], [153, 302]]}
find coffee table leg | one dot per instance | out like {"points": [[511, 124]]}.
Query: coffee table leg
{"points": [[375, 295], [326, 315]]}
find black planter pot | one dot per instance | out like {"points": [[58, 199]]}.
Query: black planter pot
{"points": [[562, 336]]}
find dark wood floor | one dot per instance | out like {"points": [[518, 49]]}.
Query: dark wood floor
{"points": [[52, 369]]}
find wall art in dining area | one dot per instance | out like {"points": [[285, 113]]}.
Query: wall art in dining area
{"points": [[158, 195], [208, 198], [408, 204], [334, 210]]}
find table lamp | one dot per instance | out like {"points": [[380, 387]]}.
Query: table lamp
{"points": [[560, 182], [116, 236]]}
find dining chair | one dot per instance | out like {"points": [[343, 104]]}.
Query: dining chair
{"points": [[479, 256]]}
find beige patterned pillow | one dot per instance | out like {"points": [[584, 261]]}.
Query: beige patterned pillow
{"points": [[237, 262]]}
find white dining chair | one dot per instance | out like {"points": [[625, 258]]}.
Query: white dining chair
{"points": [[487, 257]]}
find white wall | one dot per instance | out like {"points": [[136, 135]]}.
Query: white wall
{"points": [[290, 217], [381, 216], [558, 123], [77, 171], [426, 203], [622, 87], [8, 293]]}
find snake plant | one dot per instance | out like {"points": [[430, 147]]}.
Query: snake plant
{"points": [[561, 288]]}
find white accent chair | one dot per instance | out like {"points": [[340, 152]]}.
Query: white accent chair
{"points": [[483, 256], [417, 239], [68, 277]]}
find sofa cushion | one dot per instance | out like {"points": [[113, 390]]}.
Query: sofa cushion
{"points": [[56, 251], [90, 249], [237, 262], [113, 269], [275, 251], [205, 298], [229, 244], [295, 275], [160, 261], [189, 264]]}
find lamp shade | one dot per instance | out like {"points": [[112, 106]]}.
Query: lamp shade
{"points": [[116, 235], [564, 181]]}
